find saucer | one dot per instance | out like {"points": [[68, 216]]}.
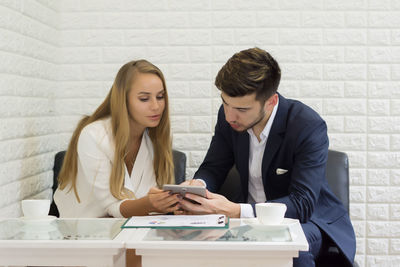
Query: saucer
{"points": [[255, 223], [46, 219]]}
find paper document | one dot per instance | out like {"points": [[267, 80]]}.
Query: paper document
{"points": [[178, 221]]}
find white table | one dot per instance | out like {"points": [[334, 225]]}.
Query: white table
{"points": [[62, 242], [178, 248], [95, 242]]}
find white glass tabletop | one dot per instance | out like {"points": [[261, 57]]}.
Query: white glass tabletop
{"points": [[242, 233]]}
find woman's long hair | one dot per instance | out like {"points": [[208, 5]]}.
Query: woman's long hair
{"points": [[115, 105]]}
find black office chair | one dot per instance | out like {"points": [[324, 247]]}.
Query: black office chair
{"points": [[337, 174], [58, 161], [179, 164]]}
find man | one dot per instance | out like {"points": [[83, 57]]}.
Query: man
{"points": [[280, 149]]}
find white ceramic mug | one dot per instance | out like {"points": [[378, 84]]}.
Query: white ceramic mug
{"points": [[35, 208], [270, 213]]}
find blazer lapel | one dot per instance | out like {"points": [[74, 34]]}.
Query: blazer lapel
{"points": [[138, 167], [273, 143], [242, 161], [275, 136], [143, 177]]}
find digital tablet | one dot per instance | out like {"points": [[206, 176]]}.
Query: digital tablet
{"points": [[183, 189]]}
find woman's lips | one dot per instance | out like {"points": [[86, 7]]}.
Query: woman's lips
{"points": [[155, 117]]}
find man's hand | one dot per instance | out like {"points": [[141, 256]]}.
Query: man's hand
{"points": [[213, 204], [162, 201]]}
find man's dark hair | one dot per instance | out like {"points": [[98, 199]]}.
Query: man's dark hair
{"points": [[249, 71]]}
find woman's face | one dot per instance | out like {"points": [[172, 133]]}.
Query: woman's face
{"points": [[146, 100]]}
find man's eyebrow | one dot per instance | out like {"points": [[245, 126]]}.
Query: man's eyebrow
{"points": [[242, 108]]}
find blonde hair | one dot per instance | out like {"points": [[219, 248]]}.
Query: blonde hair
{"points": [[115, 105]]}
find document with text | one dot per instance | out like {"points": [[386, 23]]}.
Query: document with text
{"points": [[178, 221]]}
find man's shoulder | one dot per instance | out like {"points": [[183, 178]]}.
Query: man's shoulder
{"points": [[302, 122], [301, 113]]}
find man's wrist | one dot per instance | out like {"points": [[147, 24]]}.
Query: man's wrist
{"points": [[235, 212]]}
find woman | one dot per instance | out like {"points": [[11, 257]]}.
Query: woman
{"points": [[120, 154]]}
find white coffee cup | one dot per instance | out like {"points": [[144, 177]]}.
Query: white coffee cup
{"points": [[35, 208], [270, 213]]}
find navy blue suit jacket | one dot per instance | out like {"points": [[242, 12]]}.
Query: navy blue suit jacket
{"points": [[297, 142]]}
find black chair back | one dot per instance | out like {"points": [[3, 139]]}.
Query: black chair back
{"points": [[179, 163], [337, 175], [58, 161], [179, 166]]}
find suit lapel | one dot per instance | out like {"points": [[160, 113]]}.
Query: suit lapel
{"points": [[242, 162], [273, 143], [275, 137]]}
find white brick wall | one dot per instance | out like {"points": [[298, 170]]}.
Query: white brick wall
{"points": [[28, 126], [341, 57]]}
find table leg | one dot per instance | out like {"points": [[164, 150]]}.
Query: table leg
{"points": [[133, 260]]}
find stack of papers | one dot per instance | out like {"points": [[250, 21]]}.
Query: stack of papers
{"points": [[178, 221]]}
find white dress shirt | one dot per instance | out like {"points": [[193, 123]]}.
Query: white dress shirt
{"points": [[95, 160], [256, 153]]}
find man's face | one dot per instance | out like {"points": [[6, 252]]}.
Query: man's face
{"points": [[245, 112]]}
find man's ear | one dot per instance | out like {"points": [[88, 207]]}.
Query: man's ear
{"points": [[271, 102]]}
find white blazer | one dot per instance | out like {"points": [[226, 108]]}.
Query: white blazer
{"points": [[95, 159]]}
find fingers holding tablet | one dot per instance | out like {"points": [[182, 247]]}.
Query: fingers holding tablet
{"points": [[183, 189]]}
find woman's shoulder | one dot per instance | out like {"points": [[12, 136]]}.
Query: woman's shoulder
{"points": [[98, 131], [98, 127]]}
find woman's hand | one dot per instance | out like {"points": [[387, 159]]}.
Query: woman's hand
{"points": [[161, 201]]}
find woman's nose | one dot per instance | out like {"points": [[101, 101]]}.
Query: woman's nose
{"points": [[154, 104]]}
